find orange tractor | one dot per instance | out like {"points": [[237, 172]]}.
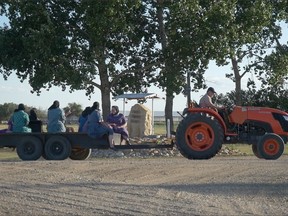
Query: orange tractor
{"points": [[202, 131]]}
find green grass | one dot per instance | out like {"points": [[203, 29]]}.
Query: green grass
{"points": [[244, 148], [7, 154], [159, 128], [3, 126]]}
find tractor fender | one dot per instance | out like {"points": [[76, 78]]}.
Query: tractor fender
{"points": [[210, 112]]}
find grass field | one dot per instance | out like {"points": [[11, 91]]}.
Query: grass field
{"points": [[8, 154]]}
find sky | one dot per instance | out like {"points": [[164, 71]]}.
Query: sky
{"points": [[12, 90]]}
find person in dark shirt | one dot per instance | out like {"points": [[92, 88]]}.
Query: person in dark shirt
{"points": [[83, 118], [35, 124]]}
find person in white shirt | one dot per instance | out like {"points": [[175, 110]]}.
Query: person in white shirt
{"points": [[206, 100]]}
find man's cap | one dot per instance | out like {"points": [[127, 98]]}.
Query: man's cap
{"points": [[211, 89]]}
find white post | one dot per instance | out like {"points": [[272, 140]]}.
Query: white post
{"points": [[168, 128], [124, 106]]}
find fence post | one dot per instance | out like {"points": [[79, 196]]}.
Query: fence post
{"points": [[168, 128]]}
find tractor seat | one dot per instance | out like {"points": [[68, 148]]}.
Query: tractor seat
{"points": [[194, 104]]}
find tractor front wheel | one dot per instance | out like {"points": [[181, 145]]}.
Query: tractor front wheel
{"points": [[255, 150], [270, 147]]}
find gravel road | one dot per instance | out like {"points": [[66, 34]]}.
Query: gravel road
{"points": [[231, 185]]}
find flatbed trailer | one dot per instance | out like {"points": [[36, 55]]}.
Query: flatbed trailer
{"points": [[60, 146]]}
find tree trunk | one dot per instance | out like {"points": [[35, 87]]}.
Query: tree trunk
{"points": [[106, 103], [105, 86], [164, 43], [169, 112], [237, 81]]}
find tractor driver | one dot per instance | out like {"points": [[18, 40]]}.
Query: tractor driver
{"points": [[206, 100]]}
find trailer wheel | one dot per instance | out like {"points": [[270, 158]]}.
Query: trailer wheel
{"points": [[80, 153], [199, 136], [255, 150], [271, 146], [57, 148], [29, 148]]}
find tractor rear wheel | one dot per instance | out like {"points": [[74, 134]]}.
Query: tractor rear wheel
{"points": [[199, 136], [271, 146]]}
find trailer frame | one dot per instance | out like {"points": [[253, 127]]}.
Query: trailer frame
{"points": [[60, 146]]}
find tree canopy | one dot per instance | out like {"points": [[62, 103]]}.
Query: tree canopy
{"points": [[118, 46], [249, 31], [80, 44]]}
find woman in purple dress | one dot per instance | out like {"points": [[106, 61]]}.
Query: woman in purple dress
{"points": [[118, 122], [10, 127]]}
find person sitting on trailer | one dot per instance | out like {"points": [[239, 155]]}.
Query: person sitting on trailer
{"points": [[33, 115], [10, 127], [118, 123], [20, 120], [95, 126], [83, 118], [56, 118], [35, 124]]}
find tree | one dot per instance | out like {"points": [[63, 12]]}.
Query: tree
{"points": [[167, 69], [275, 66], [74, 109], [249, 98], [74, 43], [250, 30], [198, 31], [184, 32], [187, 46], [114, 45], [272, 97], [273, 70], [6, 111]]}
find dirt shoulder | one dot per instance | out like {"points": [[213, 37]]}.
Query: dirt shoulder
{"points": [[240, 185]]}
